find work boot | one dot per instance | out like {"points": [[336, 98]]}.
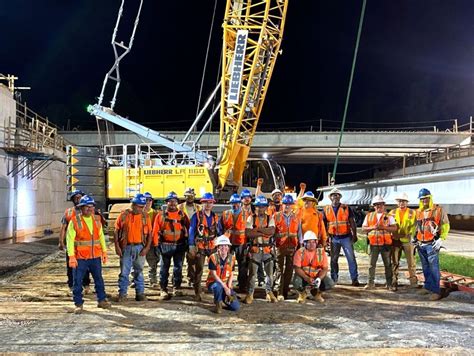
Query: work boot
{"points": [[165, 295], [177, 292], [355, 283], [319, 297], [271, 297], [248, 298], [281, 298], [78, 309], [301, 297], [435, 296], [121, 298], [104, 304], [140, 297], [394, 287], [369, 286], [218, 308], [423, 291], [413, 284], [87, 290]]}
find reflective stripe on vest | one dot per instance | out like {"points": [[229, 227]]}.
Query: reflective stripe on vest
{"points": [[338, 225], [206, 240], [223, 274], [87, 244], [261, 242], [313, 266], [428, 228], [405, 225], [236, 225], [144, 231], [286, 236], [379, 237], [171, 230]]}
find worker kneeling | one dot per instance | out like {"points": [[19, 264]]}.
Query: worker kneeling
{"points": [[311, 267], [219, 280]]}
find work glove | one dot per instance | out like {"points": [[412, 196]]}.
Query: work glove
{"points": [[316, 282], [72, 262], [105, 259], [437, 245]]}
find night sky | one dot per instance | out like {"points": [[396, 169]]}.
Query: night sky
{"points": [[415, 64]]}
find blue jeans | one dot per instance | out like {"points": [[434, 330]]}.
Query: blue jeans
{"points": [[131, 257], [430, 263], [94, 266], [168, 252], [219, 296], [346, 244]]}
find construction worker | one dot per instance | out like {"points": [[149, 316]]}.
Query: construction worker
{"points": [[202, 232], [75, 197], [189, 207], [232, 223], [342, 231], [246, 198], [379, 226], [432, 226], [171, 236], [288, 233], [311, 218], [259, 230], [401, 240], [132, 238], [277, 195], [87, 251], [153, 255], [219, 280], [311, 267]]}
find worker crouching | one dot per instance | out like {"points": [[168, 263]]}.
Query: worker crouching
{"points": [[311, 267], [87, 251], [132, 237], [219, 280]]}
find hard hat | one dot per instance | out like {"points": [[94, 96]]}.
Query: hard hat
{"points": [[377, 200], [276, 191], [139, 199], [309, 196], [208, 197], [288, 200], [335, 191], [74, 193], [189, 191], [234, 199], [245, 194], [423, 193], [170, 196], [309, 235], [86, 200], [148, 195], [261, 201], [402, 196], [222, 240]]}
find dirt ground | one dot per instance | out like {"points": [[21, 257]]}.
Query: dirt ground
{"points": [[36, 316]]}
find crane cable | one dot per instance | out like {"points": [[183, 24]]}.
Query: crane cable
{"points": [[354, 59]]}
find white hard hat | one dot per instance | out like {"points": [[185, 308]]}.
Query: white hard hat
{"points": [[335, 191], [377, 200], [309, 235], [223, 240], [402, 196], [275, 191]]}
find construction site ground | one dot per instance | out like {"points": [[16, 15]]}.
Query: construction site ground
{"points": [[36, 315]]}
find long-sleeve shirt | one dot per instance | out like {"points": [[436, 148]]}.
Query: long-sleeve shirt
{"points": [[193, 227], [71, 235]]}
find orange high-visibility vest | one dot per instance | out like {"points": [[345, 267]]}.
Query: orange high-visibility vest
{"points": [[261, 242], [338, 225], [71, 212], [311, 267], [311, 220], [223, 273], [126, 219], [425, 226], [379, 237], [87, 245], [206, 240], [235, 226], [286, 236], [168, 230]]}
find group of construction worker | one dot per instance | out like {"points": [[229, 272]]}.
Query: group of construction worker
{"points": [[281, 240]]}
